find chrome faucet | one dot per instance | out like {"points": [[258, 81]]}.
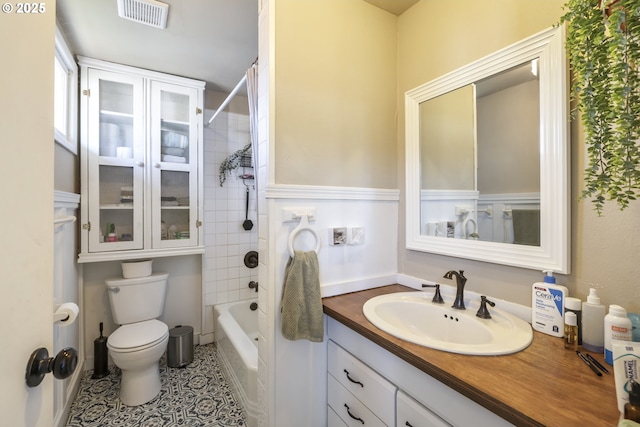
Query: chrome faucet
{"points": [[458, 304]]}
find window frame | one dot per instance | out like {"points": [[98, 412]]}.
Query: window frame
{"points": [[69, 138]]}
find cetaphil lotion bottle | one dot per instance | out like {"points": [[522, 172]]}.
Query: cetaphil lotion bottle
{"points": [[547, 306]]}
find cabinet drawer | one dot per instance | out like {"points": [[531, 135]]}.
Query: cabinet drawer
{"points": [[333, 420], [364, 383], [350, 410], [413, 414]]}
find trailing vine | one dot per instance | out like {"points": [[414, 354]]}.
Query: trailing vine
{"points": [[232, 163], [603, 44]]}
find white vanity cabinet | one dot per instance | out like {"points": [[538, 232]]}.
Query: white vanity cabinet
{"points": [[413, 398], [410, 413], [141, 163], [356, 393]]}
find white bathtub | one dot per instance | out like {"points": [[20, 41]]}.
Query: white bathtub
{"points": [[236, 336]]}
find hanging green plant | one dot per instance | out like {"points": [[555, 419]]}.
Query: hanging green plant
{"points": [[603, 44], [233, 162]]}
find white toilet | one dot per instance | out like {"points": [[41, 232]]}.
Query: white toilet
{"points": [[141, 340]]}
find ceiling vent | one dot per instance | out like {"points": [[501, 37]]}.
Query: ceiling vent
{"points": [[148, 12]]}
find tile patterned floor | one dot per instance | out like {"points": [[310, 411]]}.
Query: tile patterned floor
{"points": [[197, 395]]}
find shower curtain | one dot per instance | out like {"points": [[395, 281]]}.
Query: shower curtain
{"points": [[252, 95]]}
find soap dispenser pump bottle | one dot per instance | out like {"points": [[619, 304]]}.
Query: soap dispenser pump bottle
{"points": [[593, 323]]}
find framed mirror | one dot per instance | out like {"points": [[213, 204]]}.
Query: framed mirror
{"points": [[487, 158]]}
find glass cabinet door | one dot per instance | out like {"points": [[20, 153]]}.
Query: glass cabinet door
{"points": [[115, 161], [174, 173]]}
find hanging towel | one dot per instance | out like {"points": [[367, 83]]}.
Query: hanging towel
{"points": [[301, 305], [526, 227]]}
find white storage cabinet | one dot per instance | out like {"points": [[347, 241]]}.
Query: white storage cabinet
{"points": [[141, 163]]}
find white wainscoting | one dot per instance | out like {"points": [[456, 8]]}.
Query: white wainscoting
{"points": [[66, 288]]}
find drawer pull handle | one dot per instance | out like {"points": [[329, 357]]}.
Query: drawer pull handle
{"points": [[352, 380], [352, 416], [408, 424]]}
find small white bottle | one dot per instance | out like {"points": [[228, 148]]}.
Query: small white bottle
{"points": [[617, 326], [547, 306], [593, 323]]}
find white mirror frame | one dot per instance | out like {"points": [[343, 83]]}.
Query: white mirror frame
{"points": [[553, 252]]}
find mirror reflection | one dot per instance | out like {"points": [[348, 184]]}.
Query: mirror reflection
{"points": [[480, 159]]}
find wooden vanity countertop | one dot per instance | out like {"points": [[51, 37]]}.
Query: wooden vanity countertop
{"points": [[543, 385]]}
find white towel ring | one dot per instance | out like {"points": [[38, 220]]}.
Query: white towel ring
{"points": [[304, 225]]}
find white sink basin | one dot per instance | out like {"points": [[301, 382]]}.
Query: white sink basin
{"points": [[412, 316]]}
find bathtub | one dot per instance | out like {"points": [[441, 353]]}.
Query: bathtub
{"points": [[236, 336]]}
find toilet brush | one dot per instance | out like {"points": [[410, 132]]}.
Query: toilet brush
{"points": [[100, 356]]}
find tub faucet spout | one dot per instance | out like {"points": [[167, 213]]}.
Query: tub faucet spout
{"points": [[458, 304]]}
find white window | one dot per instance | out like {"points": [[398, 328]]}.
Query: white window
{"points": [[65, 117]]}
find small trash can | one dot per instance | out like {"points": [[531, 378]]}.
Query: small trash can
{"points": [[180, 347]]}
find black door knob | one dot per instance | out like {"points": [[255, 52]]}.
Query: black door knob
{"points": [[40, 364]]}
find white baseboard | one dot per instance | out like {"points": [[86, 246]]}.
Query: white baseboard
{"points": [[205, 338]]}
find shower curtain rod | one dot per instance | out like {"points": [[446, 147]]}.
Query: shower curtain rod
{"points": [[222, 106]]}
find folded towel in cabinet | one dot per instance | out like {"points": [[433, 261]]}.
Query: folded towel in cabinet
{"points": [[174, 140], [173, 159], [173, 151], [301, 304]]}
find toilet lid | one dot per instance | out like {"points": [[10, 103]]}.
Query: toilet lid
{"points": [[137, 335]]}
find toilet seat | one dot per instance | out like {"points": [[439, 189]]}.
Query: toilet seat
{"points": [[137, 336]]}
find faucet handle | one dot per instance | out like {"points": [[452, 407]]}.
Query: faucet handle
{"points": [[437, 298], [483, 312]]}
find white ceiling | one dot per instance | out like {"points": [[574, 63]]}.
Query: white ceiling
{"points": [[210, 40]]}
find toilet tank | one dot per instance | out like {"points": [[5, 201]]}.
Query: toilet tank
{"points": [[138, 299]]}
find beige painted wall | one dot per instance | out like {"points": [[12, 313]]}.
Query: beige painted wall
{"points": [[238, 104], [436, 37], [335, 112], [66, 170], [514, 149], [448, 140]]}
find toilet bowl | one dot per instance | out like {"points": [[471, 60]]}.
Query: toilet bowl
{"points": [[138, 344], [136, 350]]}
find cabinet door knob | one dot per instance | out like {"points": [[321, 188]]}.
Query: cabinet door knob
{"points": [[141, 164], [156, 165]]}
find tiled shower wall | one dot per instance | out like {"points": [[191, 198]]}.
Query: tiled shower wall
{"points": [[225, 277]]}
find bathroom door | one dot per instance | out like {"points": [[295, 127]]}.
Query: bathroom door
{"points": [[26, 247]]}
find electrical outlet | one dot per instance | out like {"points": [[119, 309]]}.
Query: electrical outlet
{"points": [[356, 236], [338, 236]]}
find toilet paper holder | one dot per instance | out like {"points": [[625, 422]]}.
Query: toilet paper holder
{"points": [[66, 314]]}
